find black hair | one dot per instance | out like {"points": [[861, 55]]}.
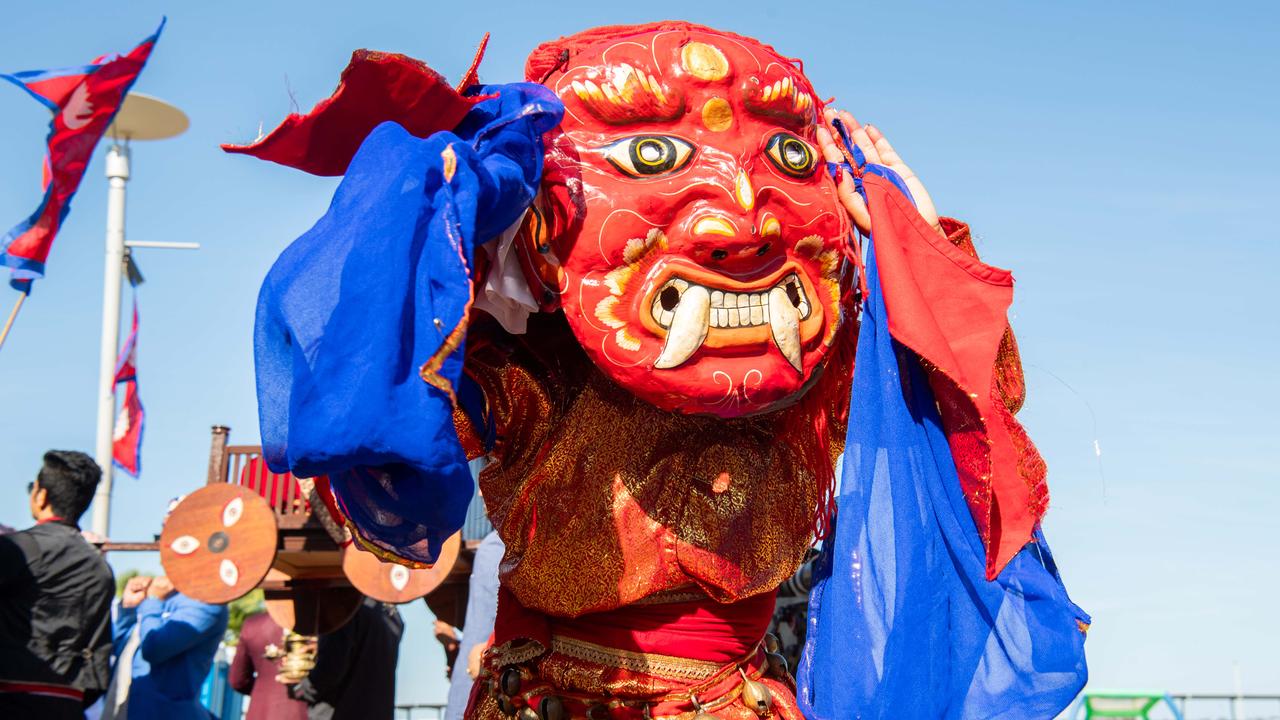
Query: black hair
{"points": [[70, 477]]}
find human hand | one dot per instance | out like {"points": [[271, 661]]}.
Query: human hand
{"points": [[475, 660], [876, 148], [160, 588], [135, 591]]}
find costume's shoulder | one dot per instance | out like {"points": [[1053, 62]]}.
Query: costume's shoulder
{"points": [[516, 382]]}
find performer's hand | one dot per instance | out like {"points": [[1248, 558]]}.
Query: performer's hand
{"points": [[876, 148], [135, 591], [160, 588]]}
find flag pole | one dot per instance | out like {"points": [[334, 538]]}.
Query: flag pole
{"points": [[13, 315], [141, 117], [113, 272]]}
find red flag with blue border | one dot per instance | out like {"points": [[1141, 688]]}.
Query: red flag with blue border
{"points": [[84, 100], [126, 446]]}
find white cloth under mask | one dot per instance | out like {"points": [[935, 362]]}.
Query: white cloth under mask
{"points": [[505, 294]]}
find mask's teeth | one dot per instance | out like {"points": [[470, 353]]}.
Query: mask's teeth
{"points": [[784, 321], [688, 327]]}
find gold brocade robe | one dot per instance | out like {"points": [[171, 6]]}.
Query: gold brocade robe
{"points": [[603, 500]]}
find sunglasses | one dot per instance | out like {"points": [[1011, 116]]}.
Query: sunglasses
{"points": [[31, 486]]}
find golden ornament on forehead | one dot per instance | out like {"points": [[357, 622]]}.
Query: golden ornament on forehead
{"points": [[704, 61], [717, 115]]}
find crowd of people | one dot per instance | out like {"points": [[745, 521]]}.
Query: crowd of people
{"points": [[71, 650]]}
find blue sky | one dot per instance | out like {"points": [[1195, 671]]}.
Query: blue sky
{"points": [[1121, 158]]}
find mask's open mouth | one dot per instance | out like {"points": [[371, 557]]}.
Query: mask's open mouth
{"points": [[726, 314], [729, 309]]}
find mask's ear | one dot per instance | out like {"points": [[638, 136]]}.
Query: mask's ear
{"points": [[551, 226]]}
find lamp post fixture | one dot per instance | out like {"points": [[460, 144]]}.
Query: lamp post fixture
{"points": [[140, 118]]}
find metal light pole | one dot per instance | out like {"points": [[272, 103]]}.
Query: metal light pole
{"points": [[113, 271], [140, 118]]}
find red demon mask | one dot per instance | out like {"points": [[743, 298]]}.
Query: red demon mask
{"points": [[687, 225]]}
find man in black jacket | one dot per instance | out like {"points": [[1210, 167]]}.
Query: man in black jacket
{"points": [[55, 600], [355, 673]]}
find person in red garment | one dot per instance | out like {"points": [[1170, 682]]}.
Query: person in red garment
{"points": [[635, 283], [254, 670]]}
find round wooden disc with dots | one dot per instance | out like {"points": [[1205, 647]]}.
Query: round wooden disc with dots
{"points": [[218, 543], [393, 583]]}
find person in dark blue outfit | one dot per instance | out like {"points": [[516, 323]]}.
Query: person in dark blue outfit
{"points": [[176, 641]]}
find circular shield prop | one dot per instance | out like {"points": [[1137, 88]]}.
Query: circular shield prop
{"points": [[218, 543], [393, 583], [313, 610]]}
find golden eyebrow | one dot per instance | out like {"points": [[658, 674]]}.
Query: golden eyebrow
{"points": [[628, 95], [782, 100]]}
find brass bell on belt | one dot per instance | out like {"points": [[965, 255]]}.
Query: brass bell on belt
{"points": [[771, 642], [778, 665], [527, 713], [552, 709], [756, 696], [702, 713], [510, 682]]}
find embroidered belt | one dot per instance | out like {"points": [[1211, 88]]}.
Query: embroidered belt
{"points": [[640, 662], [754, 681]]}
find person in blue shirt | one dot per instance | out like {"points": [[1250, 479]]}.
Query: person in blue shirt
{"points": [[482, 611], [175, 644]]}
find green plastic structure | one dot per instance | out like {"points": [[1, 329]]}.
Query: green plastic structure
{"points": [[1122, 705]]}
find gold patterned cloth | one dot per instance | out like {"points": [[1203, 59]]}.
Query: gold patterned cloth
{"points": [[603, 500], [607, 504], [586, 680]]}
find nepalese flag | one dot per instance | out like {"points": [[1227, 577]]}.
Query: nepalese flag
{"points": [[126, 447], [83, 100]]}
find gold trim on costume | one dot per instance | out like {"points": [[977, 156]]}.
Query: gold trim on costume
{"points": [[382, 553], [512, 654], [430, 371], [648, 663], [675, 595]]}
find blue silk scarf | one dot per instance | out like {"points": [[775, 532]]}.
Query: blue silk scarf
{"points": [[354, 309]]}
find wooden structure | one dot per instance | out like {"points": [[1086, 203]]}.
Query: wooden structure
{"points": [[216, 546]]}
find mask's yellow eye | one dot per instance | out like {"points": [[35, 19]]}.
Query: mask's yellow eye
{"points": [[791, 155], [648, 155]]}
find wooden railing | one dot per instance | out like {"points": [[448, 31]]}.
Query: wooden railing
{"points": [[243, 465]]}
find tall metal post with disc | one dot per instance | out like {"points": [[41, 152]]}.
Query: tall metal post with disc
{"points": [[140, 118]]}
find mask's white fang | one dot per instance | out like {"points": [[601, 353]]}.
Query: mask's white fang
{"points": [[688, 327], [784, 321]]}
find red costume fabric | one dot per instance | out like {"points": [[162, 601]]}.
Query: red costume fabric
{"points": [[950, 308], [376, 87]]}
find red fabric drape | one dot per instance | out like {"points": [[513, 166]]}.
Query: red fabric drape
{"points": [[697, 630], [376, 87], [950, 309]]}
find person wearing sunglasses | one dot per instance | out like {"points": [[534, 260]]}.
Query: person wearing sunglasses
{"points": [[55, 599]]}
